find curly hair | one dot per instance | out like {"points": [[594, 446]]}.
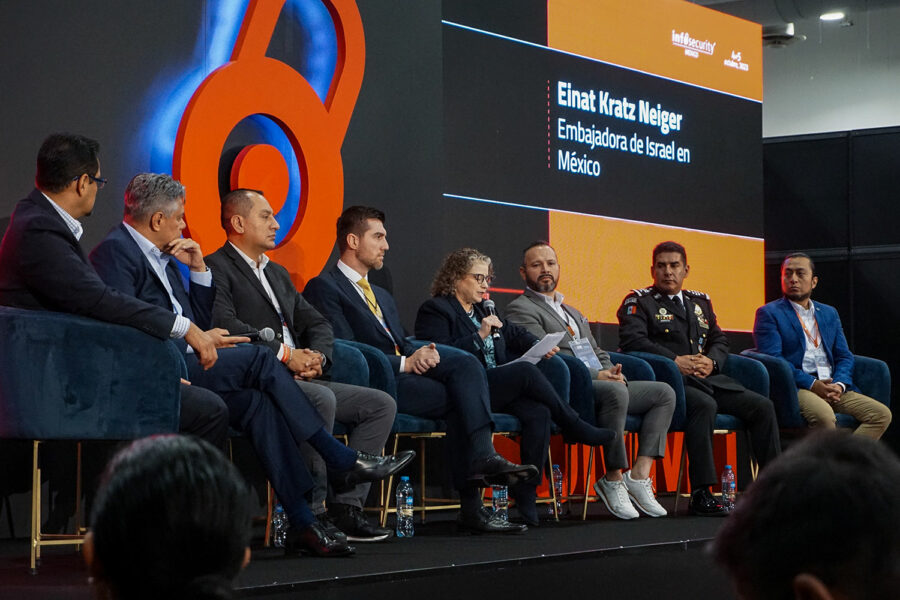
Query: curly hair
{"points": [[456, 266]]}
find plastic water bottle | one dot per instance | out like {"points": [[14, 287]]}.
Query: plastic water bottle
{"points": [[404, 508], [500, 501], [728, 488], [279, 526], [561, 509]]}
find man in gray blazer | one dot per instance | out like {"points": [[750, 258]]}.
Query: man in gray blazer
{"points": [[541, 310], [253, 293]]}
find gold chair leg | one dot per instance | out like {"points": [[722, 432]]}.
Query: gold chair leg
{"points": [[35, 507], [552, 485], [680, 475], [422, 477], [386, 505], [270, 500], [78, 488], [587, 484]]}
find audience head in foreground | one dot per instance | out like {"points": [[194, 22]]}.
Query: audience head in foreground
{"points": [[171, 520], [820, 523]]}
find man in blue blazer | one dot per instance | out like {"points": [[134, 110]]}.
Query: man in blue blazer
{"points": [[810, 337], [136, 259], [451, 387]]}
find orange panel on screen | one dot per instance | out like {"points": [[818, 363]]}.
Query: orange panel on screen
{"points": [[601, 259], [671, 38]]}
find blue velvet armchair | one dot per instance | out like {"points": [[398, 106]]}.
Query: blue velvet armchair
{"points": [[870, 375], [64, 377]]}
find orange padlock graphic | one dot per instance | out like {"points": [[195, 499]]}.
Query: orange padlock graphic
{"points": [[253, 84]]}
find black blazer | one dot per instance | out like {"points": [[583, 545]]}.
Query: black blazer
{"points": [[443, 321], [43, 267], [243, 305], [339, 302], [122, 265]]}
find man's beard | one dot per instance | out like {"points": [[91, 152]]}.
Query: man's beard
{"points": [[542, 286]]}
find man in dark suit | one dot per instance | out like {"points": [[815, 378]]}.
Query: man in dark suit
{"points": [[681, 325], [43, 267], [252, 293], [453, 388], [810, 337], [135, 258], [541, 310]]}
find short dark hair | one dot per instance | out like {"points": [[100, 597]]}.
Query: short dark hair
{"points": [[535, 244], [812, 265], [172, 519], [236, 202], [669, 247], [63, 157], [355, 220], [830, 507]]}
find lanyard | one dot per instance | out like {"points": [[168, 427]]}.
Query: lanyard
{"points": [[814, 340]]}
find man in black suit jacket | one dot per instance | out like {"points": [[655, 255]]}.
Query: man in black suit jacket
{"points": [[252, 293], [43, 267], [681, 325], [135, 258], [453, 387]]}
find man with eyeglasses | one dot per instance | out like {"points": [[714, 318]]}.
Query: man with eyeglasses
{"points": [[43, 267]]}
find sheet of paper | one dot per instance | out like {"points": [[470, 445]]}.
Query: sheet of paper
{"points": [[537, 352]]}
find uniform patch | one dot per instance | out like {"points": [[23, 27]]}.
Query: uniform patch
{"points": [[642, 291], [630, 300], [631, 310], [696, 294]]}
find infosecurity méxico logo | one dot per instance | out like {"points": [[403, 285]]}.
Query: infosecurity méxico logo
{"points": [[692, 46]]}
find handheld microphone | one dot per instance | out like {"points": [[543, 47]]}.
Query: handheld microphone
{"points": [[265, 334], [491, 309]]}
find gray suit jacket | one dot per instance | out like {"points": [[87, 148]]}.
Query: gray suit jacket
{"points": [[532, 312]]}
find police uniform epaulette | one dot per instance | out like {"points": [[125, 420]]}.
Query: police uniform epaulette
{"points": [[697, 294], [643, 291]]}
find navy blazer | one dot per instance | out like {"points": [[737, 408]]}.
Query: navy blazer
{"points": [[43, 267], [777, 332], [443, 320], [242, 303], [337, 299], [120, 262]]}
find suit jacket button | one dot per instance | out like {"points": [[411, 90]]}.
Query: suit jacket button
{"points": [[667, 331], [278, 335]]}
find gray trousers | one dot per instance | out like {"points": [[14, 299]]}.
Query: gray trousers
{"points": [[367, 413], [652, 399]]}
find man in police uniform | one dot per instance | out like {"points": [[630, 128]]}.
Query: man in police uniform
{"points": [[681, 325]]}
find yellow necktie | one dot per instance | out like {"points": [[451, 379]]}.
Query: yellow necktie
{"points": [[370, 297], [373, 305]]}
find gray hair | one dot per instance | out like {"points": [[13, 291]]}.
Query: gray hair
{"points": [[149, 193]]}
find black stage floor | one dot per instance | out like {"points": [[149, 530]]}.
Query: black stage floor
{"points": [[616, 559]]}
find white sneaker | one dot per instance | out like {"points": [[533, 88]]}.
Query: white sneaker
{"points": [[641, 492], [615, 496]]}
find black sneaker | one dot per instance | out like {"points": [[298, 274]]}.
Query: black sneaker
{"points": [[704, 504], [354, 524]]}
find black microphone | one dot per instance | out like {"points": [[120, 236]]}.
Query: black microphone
{"points": [[265, 334], [490, 307]]}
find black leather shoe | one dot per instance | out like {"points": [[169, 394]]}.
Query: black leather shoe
{"points": [[352, 522], [582, 432], [315, 540], [369, 467], [704, 504], [483, 521], [496, 470], [325, 521]]}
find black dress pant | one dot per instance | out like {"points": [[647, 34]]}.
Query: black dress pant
{"points": [[756, 411]]}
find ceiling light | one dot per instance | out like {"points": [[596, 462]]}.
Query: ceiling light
{"points": [[832, 16]]}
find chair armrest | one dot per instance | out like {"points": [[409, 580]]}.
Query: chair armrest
{"points": [[667, 371], [574, 381], [69, 377], [782, 389], [381, 373], [348, 365], [749, 372], [873, 378], [634, 368]]}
